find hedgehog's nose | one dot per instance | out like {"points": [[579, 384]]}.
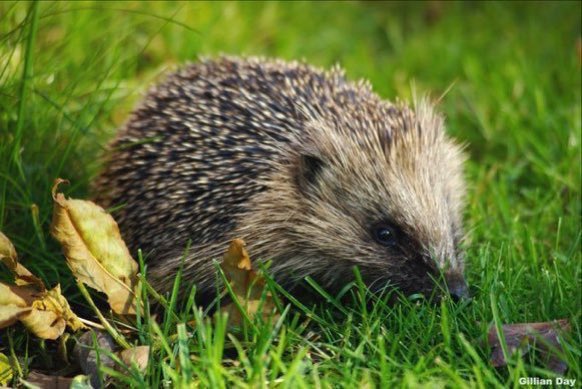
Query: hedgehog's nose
{"points": [[458, 288], [459, 292]]}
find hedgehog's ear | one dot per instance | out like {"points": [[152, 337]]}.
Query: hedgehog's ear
{"points": [[309, 168]]}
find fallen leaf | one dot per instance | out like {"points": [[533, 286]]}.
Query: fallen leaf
{"points": [[7, 249], [246, 285], [138, 356], [43, 312], [25, 304], [54, 301], [10, 314], [237, 256], [525, 336], [48, 381], [9, 258], [92, 350], [95, 251], [5, 370]]}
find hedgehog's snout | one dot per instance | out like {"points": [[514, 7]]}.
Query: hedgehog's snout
{"points": [[457, 286]]}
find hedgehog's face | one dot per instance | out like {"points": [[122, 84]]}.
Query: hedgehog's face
{"points": [[391, 206]]}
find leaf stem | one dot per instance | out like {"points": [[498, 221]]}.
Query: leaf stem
{"points": [[91, 323], [108, 327]]}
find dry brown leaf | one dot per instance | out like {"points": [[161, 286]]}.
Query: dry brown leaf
{"points": [[48, 381], [95, 251], [43, 312], [237, 256], [246, 284], [7, 249], [10, 314], [14, 303], [138, 355], [9, 258], [92, 351], [90, 360], [54, 301], [523, 337]]}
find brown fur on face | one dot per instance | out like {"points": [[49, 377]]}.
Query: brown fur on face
{"points": [[409, 178], [300, 163]]}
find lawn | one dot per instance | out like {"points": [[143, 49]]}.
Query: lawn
{"points": [[509, 79]]}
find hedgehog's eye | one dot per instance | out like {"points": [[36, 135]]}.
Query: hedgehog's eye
{"points": [[385, 235]]}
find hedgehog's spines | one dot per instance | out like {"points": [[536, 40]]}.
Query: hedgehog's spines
{"points": [[224, 139]]}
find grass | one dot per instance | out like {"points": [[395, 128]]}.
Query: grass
{"points": [[71, 72]]}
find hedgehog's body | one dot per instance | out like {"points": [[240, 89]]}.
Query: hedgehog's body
{"points": [[316, 173]]}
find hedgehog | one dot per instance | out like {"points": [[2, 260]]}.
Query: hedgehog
{"points": [[317, 174]]}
